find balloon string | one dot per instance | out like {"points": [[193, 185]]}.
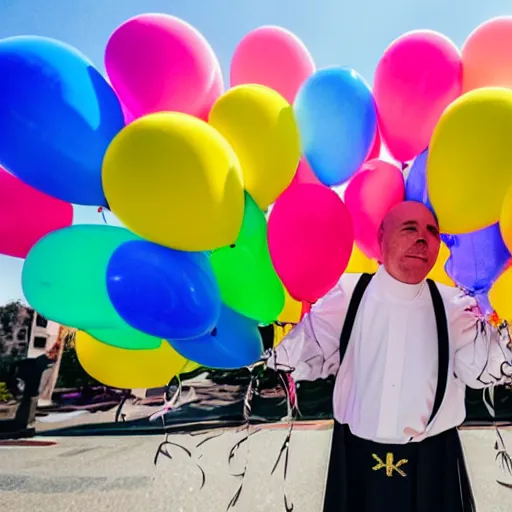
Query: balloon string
{"points": [[163, 447], [247, 410], [102, 211], [288, 384]]}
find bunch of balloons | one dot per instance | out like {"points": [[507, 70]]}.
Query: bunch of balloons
{"points": [[242, 206], [465, 173]]}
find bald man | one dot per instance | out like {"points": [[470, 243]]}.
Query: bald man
{"points": [[403, 350]]}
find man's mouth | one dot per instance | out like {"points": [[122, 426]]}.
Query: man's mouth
{"points": [[417, 257]]}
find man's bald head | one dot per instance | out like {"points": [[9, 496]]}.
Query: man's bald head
{"points": [[407, 209], [409, 241]]}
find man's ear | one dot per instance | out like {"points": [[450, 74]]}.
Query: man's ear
{"points": [[380, 234]]}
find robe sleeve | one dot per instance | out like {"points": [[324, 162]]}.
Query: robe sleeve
{"points": [[311, 349], [482, 352]]}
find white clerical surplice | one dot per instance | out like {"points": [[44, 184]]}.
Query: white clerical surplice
{"points": [[386, 386]]}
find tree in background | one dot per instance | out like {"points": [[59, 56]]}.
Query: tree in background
{"points": [[72, 374], [9, 316], [13, 318]]}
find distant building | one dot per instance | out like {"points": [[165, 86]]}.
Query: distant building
{"points": [[44, 334], [16, 323], [24, 334]]}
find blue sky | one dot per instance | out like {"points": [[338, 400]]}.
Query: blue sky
{"points": [[336, 32]]}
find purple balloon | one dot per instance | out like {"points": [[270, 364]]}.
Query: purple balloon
{"points": [[484, 304], [477, 259], [416, 182]]}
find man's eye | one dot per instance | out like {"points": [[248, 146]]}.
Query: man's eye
{"points": [[410, 228]]}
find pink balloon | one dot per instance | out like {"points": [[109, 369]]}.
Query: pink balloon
{"points": [[375, 150], [486, 56], [274, 57], [26, 215], [369, 196], [419, 75], [128, 116], [157, 62], [310, 238], [215, 91], [304, 174]]}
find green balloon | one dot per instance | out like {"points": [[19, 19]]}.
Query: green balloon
{"points": [[64, 279], [245, 274]]}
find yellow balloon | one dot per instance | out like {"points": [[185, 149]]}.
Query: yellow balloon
{"points": [[500, 293], [506, 219], [438, 273], [260, 126], [280, 333], [127, 369], [359, 263], [190, 366], [291, 311], [469, 166], [174, 180]]}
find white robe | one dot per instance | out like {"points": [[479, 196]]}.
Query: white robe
{"points": [[386, 385]]}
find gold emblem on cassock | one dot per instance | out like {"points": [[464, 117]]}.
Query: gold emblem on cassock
{"points": [[389, 465]]}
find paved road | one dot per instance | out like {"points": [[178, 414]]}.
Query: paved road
{"points": [[117, 474]]}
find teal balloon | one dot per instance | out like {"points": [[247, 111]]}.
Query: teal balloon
{"points": [[64, 279], [245, 273]]}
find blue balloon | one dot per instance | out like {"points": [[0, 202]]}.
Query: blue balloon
{"points": [[477, 259], [163, 292], [234, 343], [337, 120], [484, 303], [57, 117], [416, 182]]}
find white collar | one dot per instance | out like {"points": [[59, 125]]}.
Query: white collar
{"points": [[392, 289]]}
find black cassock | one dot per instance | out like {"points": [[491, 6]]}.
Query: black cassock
{"points": [[425, 476]]}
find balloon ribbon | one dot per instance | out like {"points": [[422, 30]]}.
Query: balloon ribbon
{"points": [[251, 390], [163, 447]]}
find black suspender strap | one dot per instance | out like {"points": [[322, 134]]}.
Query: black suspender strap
{"points": [[442, 334], [350, 317], [443, 347]]}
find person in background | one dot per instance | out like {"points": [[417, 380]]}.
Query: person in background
{"points": [[45, 364], [403, 350]]}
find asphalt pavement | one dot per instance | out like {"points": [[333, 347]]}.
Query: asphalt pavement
{"points": [[118, 474]]}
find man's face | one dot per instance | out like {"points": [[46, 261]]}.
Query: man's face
{"points": [[409, 241]]}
